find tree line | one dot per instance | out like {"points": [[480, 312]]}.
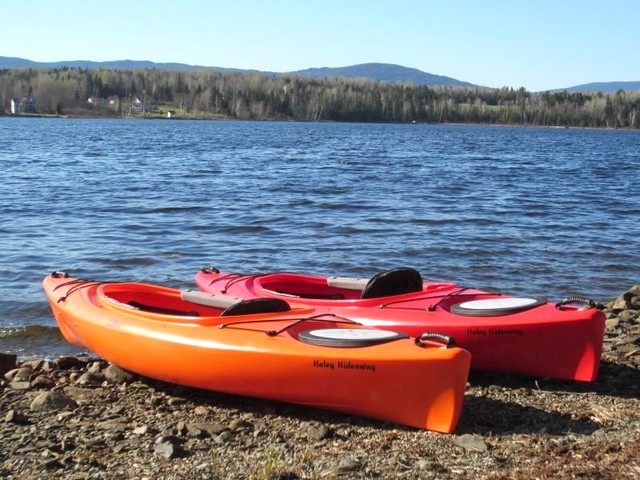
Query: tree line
{"points": [[216, 94]]}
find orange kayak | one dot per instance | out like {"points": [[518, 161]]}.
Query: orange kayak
{"points": [[266, 349], [519, 335]]}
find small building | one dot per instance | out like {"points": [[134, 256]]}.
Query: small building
{"points": [[113, 101], [137, 106], [25, 105], [97, 100], [171, 114]]}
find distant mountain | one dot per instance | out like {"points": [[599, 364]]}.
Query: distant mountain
{"points": [[12, 62], [605, 87], [384, 72]]}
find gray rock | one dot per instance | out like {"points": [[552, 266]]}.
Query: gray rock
{"points": [[81, 394], [42, 382], [67, 363], [47, 366], [629, 316], [96, 367], [90, 378], [470, 442], [115, 374], [23, 374], [168, 446], [180, 428], [318, 432], [628, 300], [139, 386], [142, 430], [127, 444], [347, 465], [195, 432], [11, 373], [52, 401], [114, 425], [64, 416], [33, 364], [16, 417], [168, 438], [240, 424], [201, 410], [167, 450], [612, 323], [176, 401], [20, 385], [211, 429], [224, 438]]}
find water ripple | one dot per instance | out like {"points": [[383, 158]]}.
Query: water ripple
{"points": [[522, 210]]}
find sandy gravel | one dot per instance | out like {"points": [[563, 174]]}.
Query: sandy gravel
{"points": [[81, 418]]}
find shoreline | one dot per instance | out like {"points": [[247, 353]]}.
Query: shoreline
{"points": [[79, 417], [229, 119]]}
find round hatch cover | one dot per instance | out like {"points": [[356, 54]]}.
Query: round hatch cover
{"points": [[497, 306], [349, 337]]}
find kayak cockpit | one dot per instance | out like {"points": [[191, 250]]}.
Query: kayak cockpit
{"points": [[398, 281], [184, 306]]}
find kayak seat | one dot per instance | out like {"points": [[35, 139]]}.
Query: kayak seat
{"points": [[393, 282], [255, 306]]}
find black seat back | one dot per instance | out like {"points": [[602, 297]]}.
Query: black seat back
{"points": [[255, 306], [393, 282]]}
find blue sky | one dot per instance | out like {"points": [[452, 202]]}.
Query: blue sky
{"points": [[539, 45]]}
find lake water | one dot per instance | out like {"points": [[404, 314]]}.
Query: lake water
{"points": [[534, 211]]}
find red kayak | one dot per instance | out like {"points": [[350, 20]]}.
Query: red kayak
{"points": [[519, 335]]}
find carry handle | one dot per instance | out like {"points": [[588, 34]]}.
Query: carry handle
{"points": [[209, 269], [576, 300], [427, 339]]}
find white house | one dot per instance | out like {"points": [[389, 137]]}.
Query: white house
{"points": [[26, 105], [137, 106]]}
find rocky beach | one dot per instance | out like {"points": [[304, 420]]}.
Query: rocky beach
{"points": [[82, 418]]}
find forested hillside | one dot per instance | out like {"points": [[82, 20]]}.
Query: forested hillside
{"points": [[215, 94]]}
